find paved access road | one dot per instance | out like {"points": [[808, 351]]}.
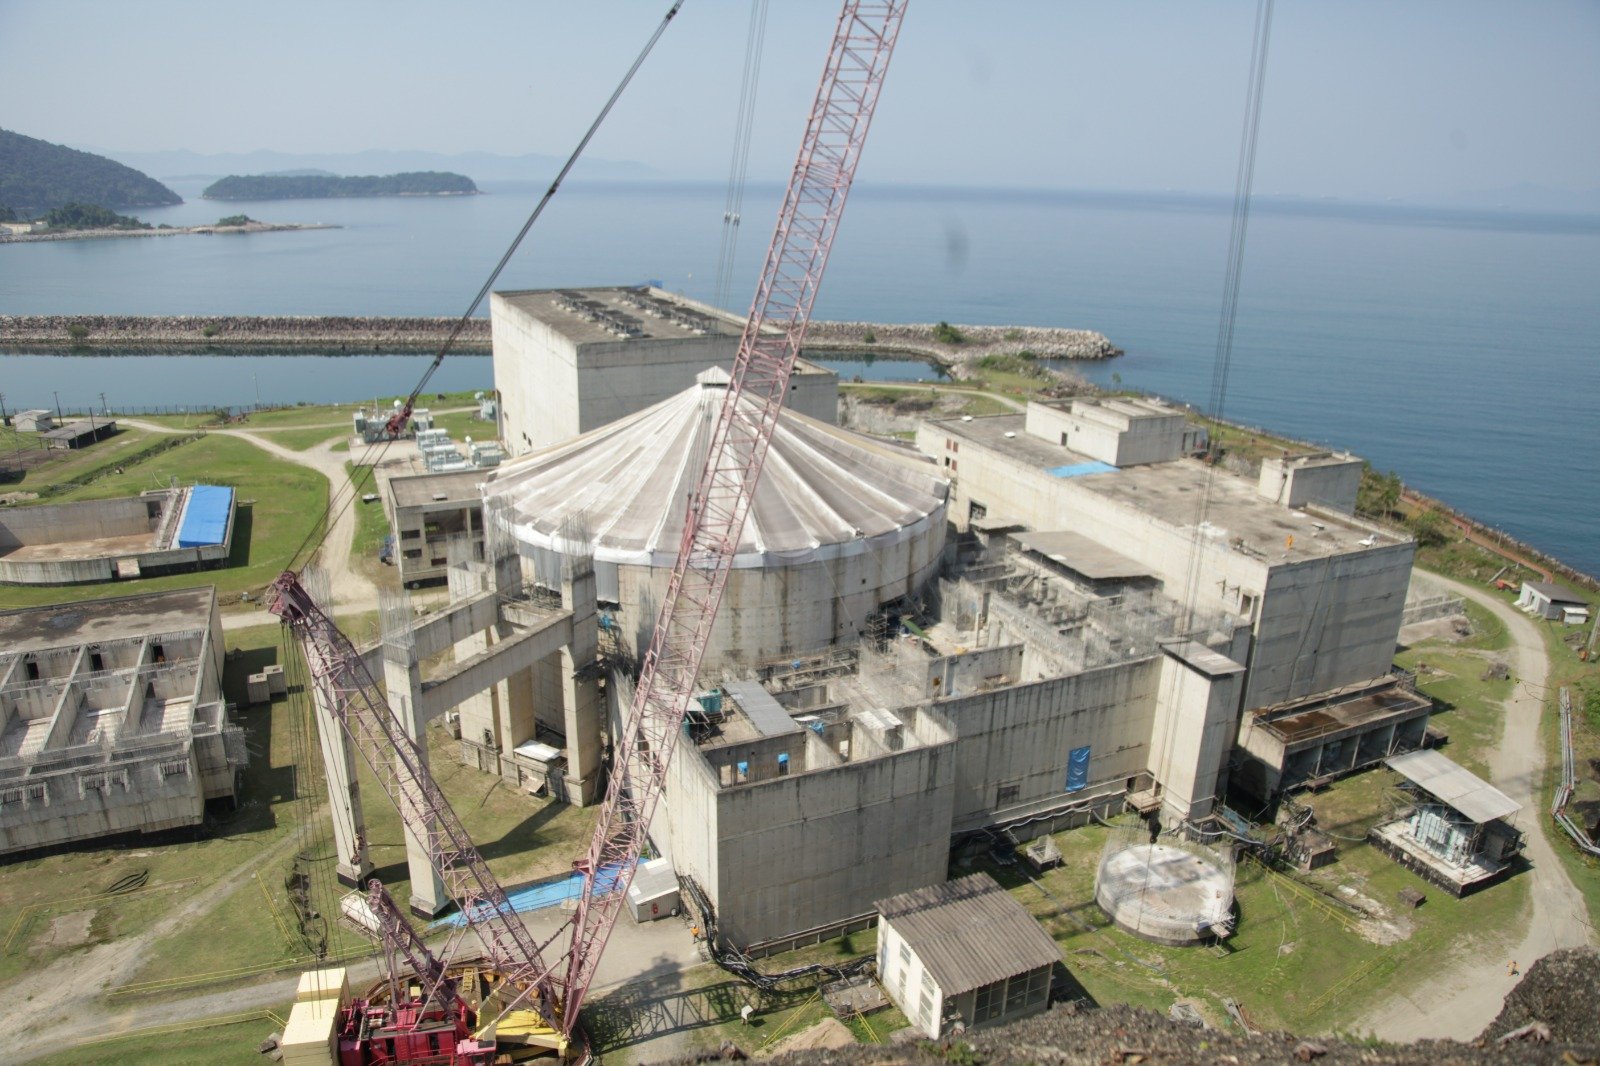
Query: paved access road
{"points": [[1466, 991]]}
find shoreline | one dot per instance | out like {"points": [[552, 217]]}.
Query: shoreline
{"points": [[358, 334], [172, 231]]}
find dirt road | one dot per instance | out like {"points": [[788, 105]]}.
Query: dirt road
{"points": [[1467, 993]]}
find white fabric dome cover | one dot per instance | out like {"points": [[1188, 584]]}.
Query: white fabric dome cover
{"points": [[824, 493]]}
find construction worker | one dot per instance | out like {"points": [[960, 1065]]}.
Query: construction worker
{"points": [[1511, 968]]}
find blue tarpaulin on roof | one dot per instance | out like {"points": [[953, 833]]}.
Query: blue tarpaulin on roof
{"points": [[205, 519], [1080, 469], [549, 893]]}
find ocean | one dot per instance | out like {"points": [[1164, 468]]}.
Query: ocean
{"points": [[1461, 350]]}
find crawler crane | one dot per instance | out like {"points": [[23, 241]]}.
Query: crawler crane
{"points": [[516, 1003]]}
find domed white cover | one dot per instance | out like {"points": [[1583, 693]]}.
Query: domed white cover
{"points": [[824, 493]]}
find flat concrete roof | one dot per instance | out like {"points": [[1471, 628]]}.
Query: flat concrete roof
{"points": [[416, 490], [629, 308], [117, 618], [1320, 716], [1082, 555], [1171, 491]]}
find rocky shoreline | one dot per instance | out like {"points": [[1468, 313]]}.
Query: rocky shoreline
{"points": [[355, 335], [170, 231], [358, 334]]}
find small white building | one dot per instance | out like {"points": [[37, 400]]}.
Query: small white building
{"points": [[36, 421], [1545, 599], [964, 951]]}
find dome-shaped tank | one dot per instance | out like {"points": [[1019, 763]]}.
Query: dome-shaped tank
{"points": [[841, 523]]}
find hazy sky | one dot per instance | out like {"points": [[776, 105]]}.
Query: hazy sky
{"points": [[1364, 98]]}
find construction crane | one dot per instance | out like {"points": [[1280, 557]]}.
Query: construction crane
{"points": [[836, 130]]}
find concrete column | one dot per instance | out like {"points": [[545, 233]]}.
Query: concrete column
{"points": [[403, 682], [1197, 694], [580, 697], [344, 796]]}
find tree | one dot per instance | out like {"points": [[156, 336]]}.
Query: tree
{"points": [[1430, 528], [945, 333], [1378, 494]]}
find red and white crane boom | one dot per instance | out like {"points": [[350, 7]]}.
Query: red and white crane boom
{"points": [[835, 132]]}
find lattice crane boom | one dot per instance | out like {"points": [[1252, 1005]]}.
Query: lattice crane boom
{"points": [[836, 130], [347, 689]]}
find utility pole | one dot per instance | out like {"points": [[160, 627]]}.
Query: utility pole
{"points": [[105, 408], [57, 395]]}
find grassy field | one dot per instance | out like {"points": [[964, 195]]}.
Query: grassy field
{"points": [[71, 465], [1299, 959], [230, 1041], [279, 505]]}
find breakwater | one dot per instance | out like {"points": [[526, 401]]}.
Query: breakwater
{"points": [[327, 334], [955, 345]]}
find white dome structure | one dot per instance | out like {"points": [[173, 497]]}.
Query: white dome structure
{"points": [[841, 523]]}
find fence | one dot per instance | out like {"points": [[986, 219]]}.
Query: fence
{"points": [[1569, 775]]}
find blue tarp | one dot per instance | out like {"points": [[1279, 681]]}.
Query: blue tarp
{"points": [[205, 521], [1078, 769], [547, 894], [1080, 469]]}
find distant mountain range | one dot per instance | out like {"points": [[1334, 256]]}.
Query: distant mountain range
{"points": [[36, 176], [481, 166]]}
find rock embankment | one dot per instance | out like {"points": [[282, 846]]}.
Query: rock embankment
{"points": [[976, 342], [169, 231], [353, 334]]}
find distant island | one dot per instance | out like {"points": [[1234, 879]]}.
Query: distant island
{"points": [[37, 176], [80, 222], [326, 186]]}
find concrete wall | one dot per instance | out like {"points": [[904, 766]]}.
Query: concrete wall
{"points": [[1019, 737], [1195, 723], [1295, 482], [551, 389], [906, 979], [87, 520], [783, 610], [811, 848], [1327, 622]]}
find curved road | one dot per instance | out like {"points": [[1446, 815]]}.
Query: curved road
{"points": [[1467, 993]]}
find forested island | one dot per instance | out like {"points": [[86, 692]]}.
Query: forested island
{"points": [[327, 186], [37, 176]]}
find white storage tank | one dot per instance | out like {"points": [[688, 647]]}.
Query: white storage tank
{"points": [[841, 525]]}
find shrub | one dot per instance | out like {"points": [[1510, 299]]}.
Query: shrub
{"points": [[77, 331], [945, 333], [869, 337], [208, 330]]}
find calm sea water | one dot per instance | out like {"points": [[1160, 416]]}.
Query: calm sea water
{"points": [[1462, 351]]}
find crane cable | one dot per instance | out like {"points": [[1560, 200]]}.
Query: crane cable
{"points": [[1243, 183], [739, 164], [340, 500]]}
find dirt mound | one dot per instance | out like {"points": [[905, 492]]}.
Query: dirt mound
{"points": [[1559, 992]]}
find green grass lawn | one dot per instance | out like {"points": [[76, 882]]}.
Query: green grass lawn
{"points": [[280, 503], [72, 464], [1297, 960], [224, 1042]]}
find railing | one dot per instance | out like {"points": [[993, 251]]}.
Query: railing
{"points": [[1558, 805]]}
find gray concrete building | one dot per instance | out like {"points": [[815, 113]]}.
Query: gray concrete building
{"points": [[427, 513], [1321, 591], [112, 718], [163, 531], [570, 360]]}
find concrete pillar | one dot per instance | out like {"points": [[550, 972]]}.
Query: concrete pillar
{"points": [[344, 796], [1196, 698], [403, 682], [580, 694]]}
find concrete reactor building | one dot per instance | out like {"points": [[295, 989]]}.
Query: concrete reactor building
{"points": [[570, 360], [842, 524]]}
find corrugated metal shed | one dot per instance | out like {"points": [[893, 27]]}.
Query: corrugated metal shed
{"points": [[1454, 785], [969, 933], [764, 712]]}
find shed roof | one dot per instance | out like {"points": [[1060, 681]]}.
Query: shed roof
{"points": [[969, 932], [1555, 593], [764, 712], [1454, 785]]}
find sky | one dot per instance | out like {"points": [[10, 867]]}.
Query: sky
{"points": [[1424, 100]]}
